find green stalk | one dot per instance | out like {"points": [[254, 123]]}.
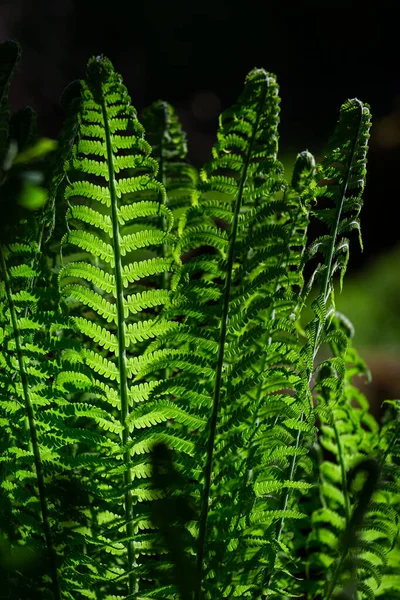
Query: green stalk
{"points": [[162, 178], [205, 501], [343, 475], [336, 575], [122, 360], [39, 246], [33, 432]]}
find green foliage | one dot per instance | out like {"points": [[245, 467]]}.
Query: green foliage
{"points": [[171, 425]]}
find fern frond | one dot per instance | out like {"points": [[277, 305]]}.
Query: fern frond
{"points": [[109, 171], [240, 313], [168, 141], [341, 180], [26, 396]]}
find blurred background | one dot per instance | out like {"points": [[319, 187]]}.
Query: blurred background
{"points": [[196, 55]]}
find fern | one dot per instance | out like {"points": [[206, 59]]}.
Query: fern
{"points": [[170, 427]]}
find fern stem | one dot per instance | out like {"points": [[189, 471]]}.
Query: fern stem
{"points": [[333, 581], [343, 474], [33, 432], [39, 246], [122, 360], [205, 501], [162, 178]]}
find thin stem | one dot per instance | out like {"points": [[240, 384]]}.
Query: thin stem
{"points": [[39, 246], [162, 178], [32, 430], [122, 360], [343, 475], [221, 352]]}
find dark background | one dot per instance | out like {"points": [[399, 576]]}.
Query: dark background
{"points": [[196, 55]]}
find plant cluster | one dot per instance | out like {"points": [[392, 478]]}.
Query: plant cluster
{"points": [[170, 427]]}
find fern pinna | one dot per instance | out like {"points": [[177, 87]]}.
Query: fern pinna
{"points": [[170, 427]]}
